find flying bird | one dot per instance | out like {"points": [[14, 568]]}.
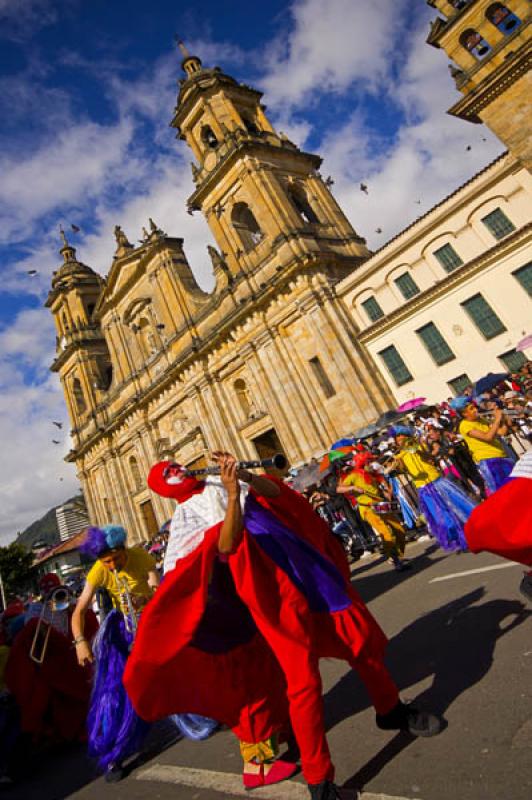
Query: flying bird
{"points": [[469, 147], [484, 139], [363, 188], [57, 424], [55, 441], [378, 230], [418, 202], [32, 272], [75, 228]]}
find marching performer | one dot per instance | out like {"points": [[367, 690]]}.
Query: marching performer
{"points": [[51, 689], [293, 578], [484, 443], [375, 503], [445, 506], [130, 577]]}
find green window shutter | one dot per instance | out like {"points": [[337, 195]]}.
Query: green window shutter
{"points": [[435, 344], [395, 365], [483, 316], [459, 384], [498, 224], [448, 257], [524, 276], [372, 309], [407, 286], [513, 360]]}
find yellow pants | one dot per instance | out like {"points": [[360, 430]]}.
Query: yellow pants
{"points": [[390, 530]]}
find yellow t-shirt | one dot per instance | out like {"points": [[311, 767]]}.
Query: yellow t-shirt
{"points": [[422, 472], [480, 450], [372, 492], [134, 575]]}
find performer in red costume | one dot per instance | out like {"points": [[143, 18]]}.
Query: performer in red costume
{"points": [[53, 697], [502, 524], [293, 577]]}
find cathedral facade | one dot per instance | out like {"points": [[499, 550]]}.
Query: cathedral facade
{"points": [[275, 358]]}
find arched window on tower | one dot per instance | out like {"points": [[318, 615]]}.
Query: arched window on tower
{"points": [[503, 19], [79, 399], [246, 225], [208, 137], [135, 474], [474, 43], [242, 394], [66, 326], [459, 4], [250, 124], [299, 199]]}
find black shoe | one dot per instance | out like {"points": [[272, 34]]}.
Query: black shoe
{"points": [[115, 773], [327, 790], [408, 718], [525, 587], [401, 565]]}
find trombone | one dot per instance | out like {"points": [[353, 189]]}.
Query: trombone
{"points": [[59, 600]]}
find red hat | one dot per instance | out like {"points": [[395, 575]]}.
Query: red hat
{"points": [[14, 609], [160, 482], [49, 582]]}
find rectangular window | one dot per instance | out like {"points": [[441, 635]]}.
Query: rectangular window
{"points": [[395, 365], [372, 309], [435, 344], [448, 257], [459, 384], [524, 276], [513, 360], [407, 286], [322, 377], [498, 224], [483, 316]]}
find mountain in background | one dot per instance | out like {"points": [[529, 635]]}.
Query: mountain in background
{"points": [[44, 529]]}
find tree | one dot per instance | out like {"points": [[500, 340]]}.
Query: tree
{"points": [[15, 568]]}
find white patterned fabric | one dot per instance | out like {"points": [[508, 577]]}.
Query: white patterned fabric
{"points": [[523, 468], [192, 518]]}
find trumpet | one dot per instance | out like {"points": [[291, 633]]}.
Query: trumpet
{"points": [[278, 461], [59, 600], [131, 615]]}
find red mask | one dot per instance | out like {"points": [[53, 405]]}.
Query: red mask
{"points": [[170, 480]]}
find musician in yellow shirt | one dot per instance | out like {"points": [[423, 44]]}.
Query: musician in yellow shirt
{"points": [[372, 491], [445, 506], [130, 577], [485, 446]]}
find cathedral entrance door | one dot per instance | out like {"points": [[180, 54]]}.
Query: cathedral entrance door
{"points": [[267, 444], [150, 523]]}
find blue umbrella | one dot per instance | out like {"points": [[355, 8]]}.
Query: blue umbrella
{"points": [[346, 442], [488, 382]]}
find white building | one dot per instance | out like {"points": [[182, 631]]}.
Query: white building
{"points": [[71, 519]]}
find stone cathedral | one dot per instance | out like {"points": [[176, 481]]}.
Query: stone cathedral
{"points": [[153, 367]]}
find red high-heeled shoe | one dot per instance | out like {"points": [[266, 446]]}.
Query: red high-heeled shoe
{"points": [[280, 771]]}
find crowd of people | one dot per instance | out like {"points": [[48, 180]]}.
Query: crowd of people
{"points": [[256, 581]]}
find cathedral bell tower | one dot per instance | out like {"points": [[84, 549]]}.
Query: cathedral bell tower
{"points": [[264, 199], [490, 47], [82, 358]]}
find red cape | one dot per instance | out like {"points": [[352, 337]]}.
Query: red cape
{"points": [[165, 674], [502, 524], [53, 697]]}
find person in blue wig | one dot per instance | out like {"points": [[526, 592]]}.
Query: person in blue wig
{"points": [[445, 506], [484, 442], [130, 577]]}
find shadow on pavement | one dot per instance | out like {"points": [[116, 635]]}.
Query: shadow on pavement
{"points": [[378, 583], [454, 643]]}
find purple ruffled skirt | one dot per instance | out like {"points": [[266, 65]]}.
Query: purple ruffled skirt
{"points": [[495, 472], [446, 508]]}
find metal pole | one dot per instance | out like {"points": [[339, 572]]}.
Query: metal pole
{"points": [[2, 592]]}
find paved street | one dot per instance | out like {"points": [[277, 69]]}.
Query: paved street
{"points": [[460, 643]]}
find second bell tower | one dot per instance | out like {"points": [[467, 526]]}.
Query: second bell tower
{"points": [[264, 198]]}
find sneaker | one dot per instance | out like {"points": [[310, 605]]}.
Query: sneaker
{"points": [[115, 773], [525, 587], [408, 718], [327, 790]]}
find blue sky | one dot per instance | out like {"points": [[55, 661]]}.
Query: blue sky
{"points": [[87, 90]]}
